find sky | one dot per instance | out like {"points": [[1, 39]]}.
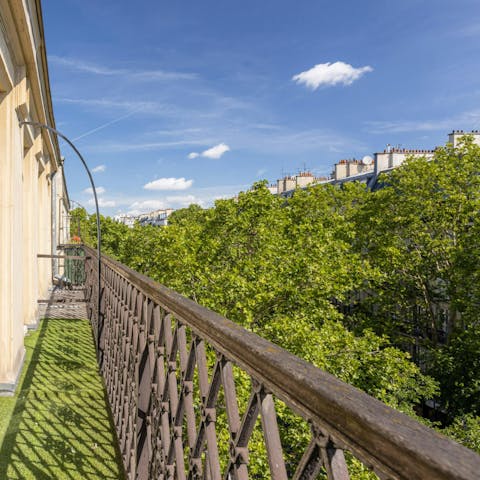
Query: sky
{"points": [[180, 102]]}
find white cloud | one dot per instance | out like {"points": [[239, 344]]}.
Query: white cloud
{"points": [[99, 168], [405, 126], [266, 126], [146, 75], [472, 30], [106, 203], [179, 201], [99, 190], [142, 206], [175, 132], [130, 147], [329, 74], [102, 202], [204, 196], [215, 152], [170, 201], [82, 66], [463, 120], [162, 75], [169, 184], [107, 103]]}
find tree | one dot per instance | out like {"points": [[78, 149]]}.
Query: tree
{"points": [[457, 367], [290, 269], [465, 430], [279, 268], [80, 225], [420, 232]]}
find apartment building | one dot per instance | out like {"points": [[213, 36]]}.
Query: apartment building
{"points": [[367, 169], [157, 218], [291, 182]]}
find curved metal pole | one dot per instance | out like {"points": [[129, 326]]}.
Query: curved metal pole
{"points": [[99, 234]]}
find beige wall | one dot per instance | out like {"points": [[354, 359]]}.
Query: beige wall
{"points": [[28, 158], [387, 160], [304, 180], [454, 137], [350, 168], [340, 171], [11, 229]]}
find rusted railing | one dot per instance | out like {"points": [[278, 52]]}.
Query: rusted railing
{"points": [[172, 369]]}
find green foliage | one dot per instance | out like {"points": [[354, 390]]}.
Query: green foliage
{"points": [[184, 216], [84, 226], [421, 232], [80, 226], [458, 367], [278, 268], [368, 362], [465, 429], [340, 276]]}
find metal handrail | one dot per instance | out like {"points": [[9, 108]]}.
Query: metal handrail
{"points": [[393, 444]]}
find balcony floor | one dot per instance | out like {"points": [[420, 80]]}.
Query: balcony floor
{"points": [[57, 426], [64, 303]]}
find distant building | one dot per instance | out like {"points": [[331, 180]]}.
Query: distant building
{"points": [[456, 134], [157, 218], [128, 220], [367, 169], [304, 178], [285, 184], [290, 182], [353, 167], [272, 188], [393, 157]]}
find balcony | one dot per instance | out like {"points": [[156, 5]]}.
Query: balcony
{"points": [[193, 395], [58, 424]]}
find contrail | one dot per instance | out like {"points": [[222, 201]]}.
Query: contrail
{"points": [[105, 125]]}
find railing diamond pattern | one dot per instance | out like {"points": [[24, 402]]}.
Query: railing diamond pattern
{"points": [[170, 371]]}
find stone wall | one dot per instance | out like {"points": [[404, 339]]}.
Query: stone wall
{"points": [[29, 159]]}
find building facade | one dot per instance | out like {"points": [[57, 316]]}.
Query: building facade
{"points": [[157, 218], [33, 196], [457, 134], [367, 169], [291, 182], [351, 168]]}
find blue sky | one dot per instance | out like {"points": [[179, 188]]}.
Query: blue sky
{"points": [[184, 102]]}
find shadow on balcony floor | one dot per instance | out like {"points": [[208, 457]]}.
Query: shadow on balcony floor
{"points": [[57, 426], [64, 303]]}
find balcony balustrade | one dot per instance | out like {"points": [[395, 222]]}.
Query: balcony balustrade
{"points": [[193, 395], [172, 370]]}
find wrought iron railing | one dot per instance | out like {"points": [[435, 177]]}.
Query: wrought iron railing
{"points": [[172, 370], [74, 268]]}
